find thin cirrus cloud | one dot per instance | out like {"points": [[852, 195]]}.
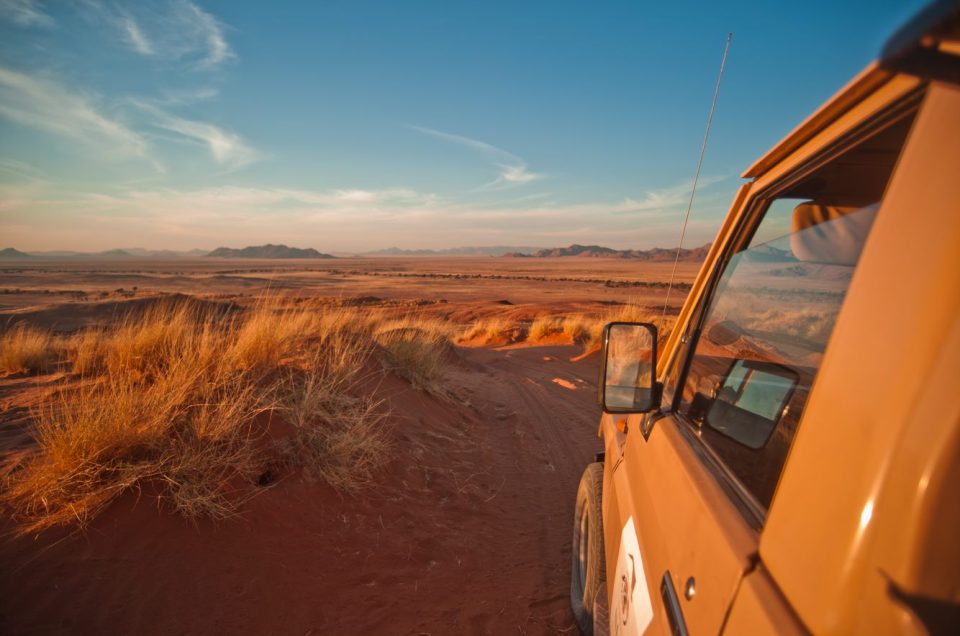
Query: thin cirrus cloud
{"points": [[25, 13], [667, 198], [513, 169], [170, 30], [135, 36], [45, 105], [227, 149]]}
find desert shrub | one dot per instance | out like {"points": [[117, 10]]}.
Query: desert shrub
{"points": [[25, 349]]}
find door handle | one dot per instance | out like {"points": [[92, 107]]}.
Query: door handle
{"points": [[671, 604]]}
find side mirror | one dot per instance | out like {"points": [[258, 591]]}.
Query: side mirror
{"points": [[628, 368]]}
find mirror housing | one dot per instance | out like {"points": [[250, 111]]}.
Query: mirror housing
{"points": [[628, 368]]}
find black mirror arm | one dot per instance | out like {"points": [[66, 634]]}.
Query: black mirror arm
{"points": [[655, 413]]}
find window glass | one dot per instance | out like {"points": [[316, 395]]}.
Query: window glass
{"points": [[767, 323], [765, 334]]}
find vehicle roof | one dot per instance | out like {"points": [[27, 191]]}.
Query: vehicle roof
{"points": [[849, 96]]}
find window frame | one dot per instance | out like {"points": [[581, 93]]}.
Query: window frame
{"points": [[754, 210]]}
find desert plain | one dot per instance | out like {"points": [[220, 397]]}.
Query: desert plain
{"points": [[369, 446]]}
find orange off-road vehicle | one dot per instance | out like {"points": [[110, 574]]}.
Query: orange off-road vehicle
{"points": [[788, 459]]}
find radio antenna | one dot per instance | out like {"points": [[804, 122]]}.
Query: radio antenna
{"points": [[696, 176]]}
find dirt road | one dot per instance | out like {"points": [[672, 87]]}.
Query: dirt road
{"points": [[469, 532]]}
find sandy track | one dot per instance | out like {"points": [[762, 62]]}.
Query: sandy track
{"points": [[468, 533]]}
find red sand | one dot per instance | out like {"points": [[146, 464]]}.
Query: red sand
{"points": [[468, 532]]}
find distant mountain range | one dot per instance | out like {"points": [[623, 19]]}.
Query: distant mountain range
{"points": [[598, 251], [595, 251], [494, 250], [130, 252], [270, 251], [254, 251], [267, 251]]}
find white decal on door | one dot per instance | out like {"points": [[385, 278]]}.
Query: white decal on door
{"points": [[630, 611]]}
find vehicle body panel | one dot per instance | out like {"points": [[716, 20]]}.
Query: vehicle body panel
{"points": [[760, 609], [685, 525], [904, 298]]}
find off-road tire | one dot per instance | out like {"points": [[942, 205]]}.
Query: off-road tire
{"points": [[588, 571]]}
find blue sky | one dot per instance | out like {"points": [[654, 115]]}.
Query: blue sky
{"points": [[352, 125]]}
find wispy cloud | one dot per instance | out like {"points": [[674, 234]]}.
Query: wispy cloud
{"points": [[45, 105], [177, 30], [227, 148], [667, 198], [25, 13], [135, 36], [42, 103], [516, 174], [513, 169], [178, 97], [209, 30], [19, 170]]}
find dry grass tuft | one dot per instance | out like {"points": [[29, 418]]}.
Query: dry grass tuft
{"points": [[338, 436], [179, 400], [489, 331], [415, 349], [144, 345], [89, 352], [627, 313], [579, 329], [587, 330], [189, 432], [543, 327], [27, 350], [267, 336]]}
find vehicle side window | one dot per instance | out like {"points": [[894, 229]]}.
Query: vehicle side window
{"points": [[770, 316]]}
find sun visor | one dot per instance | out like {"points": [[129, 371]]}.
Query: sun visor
{"points": [[830, 234]]}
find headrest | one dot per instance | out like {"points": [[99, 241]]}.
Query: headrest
{"points": [[830, 234]]}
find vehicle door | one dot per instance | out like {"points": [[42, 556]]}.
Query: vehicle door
{"points": [[695, 479]]}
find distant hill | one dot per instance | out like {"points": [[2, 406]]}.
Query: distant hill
{"points": [[598, 251], [267, 251], [493, 250], [132, 252], [140, 252], [11, 253], [770, 254]]}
